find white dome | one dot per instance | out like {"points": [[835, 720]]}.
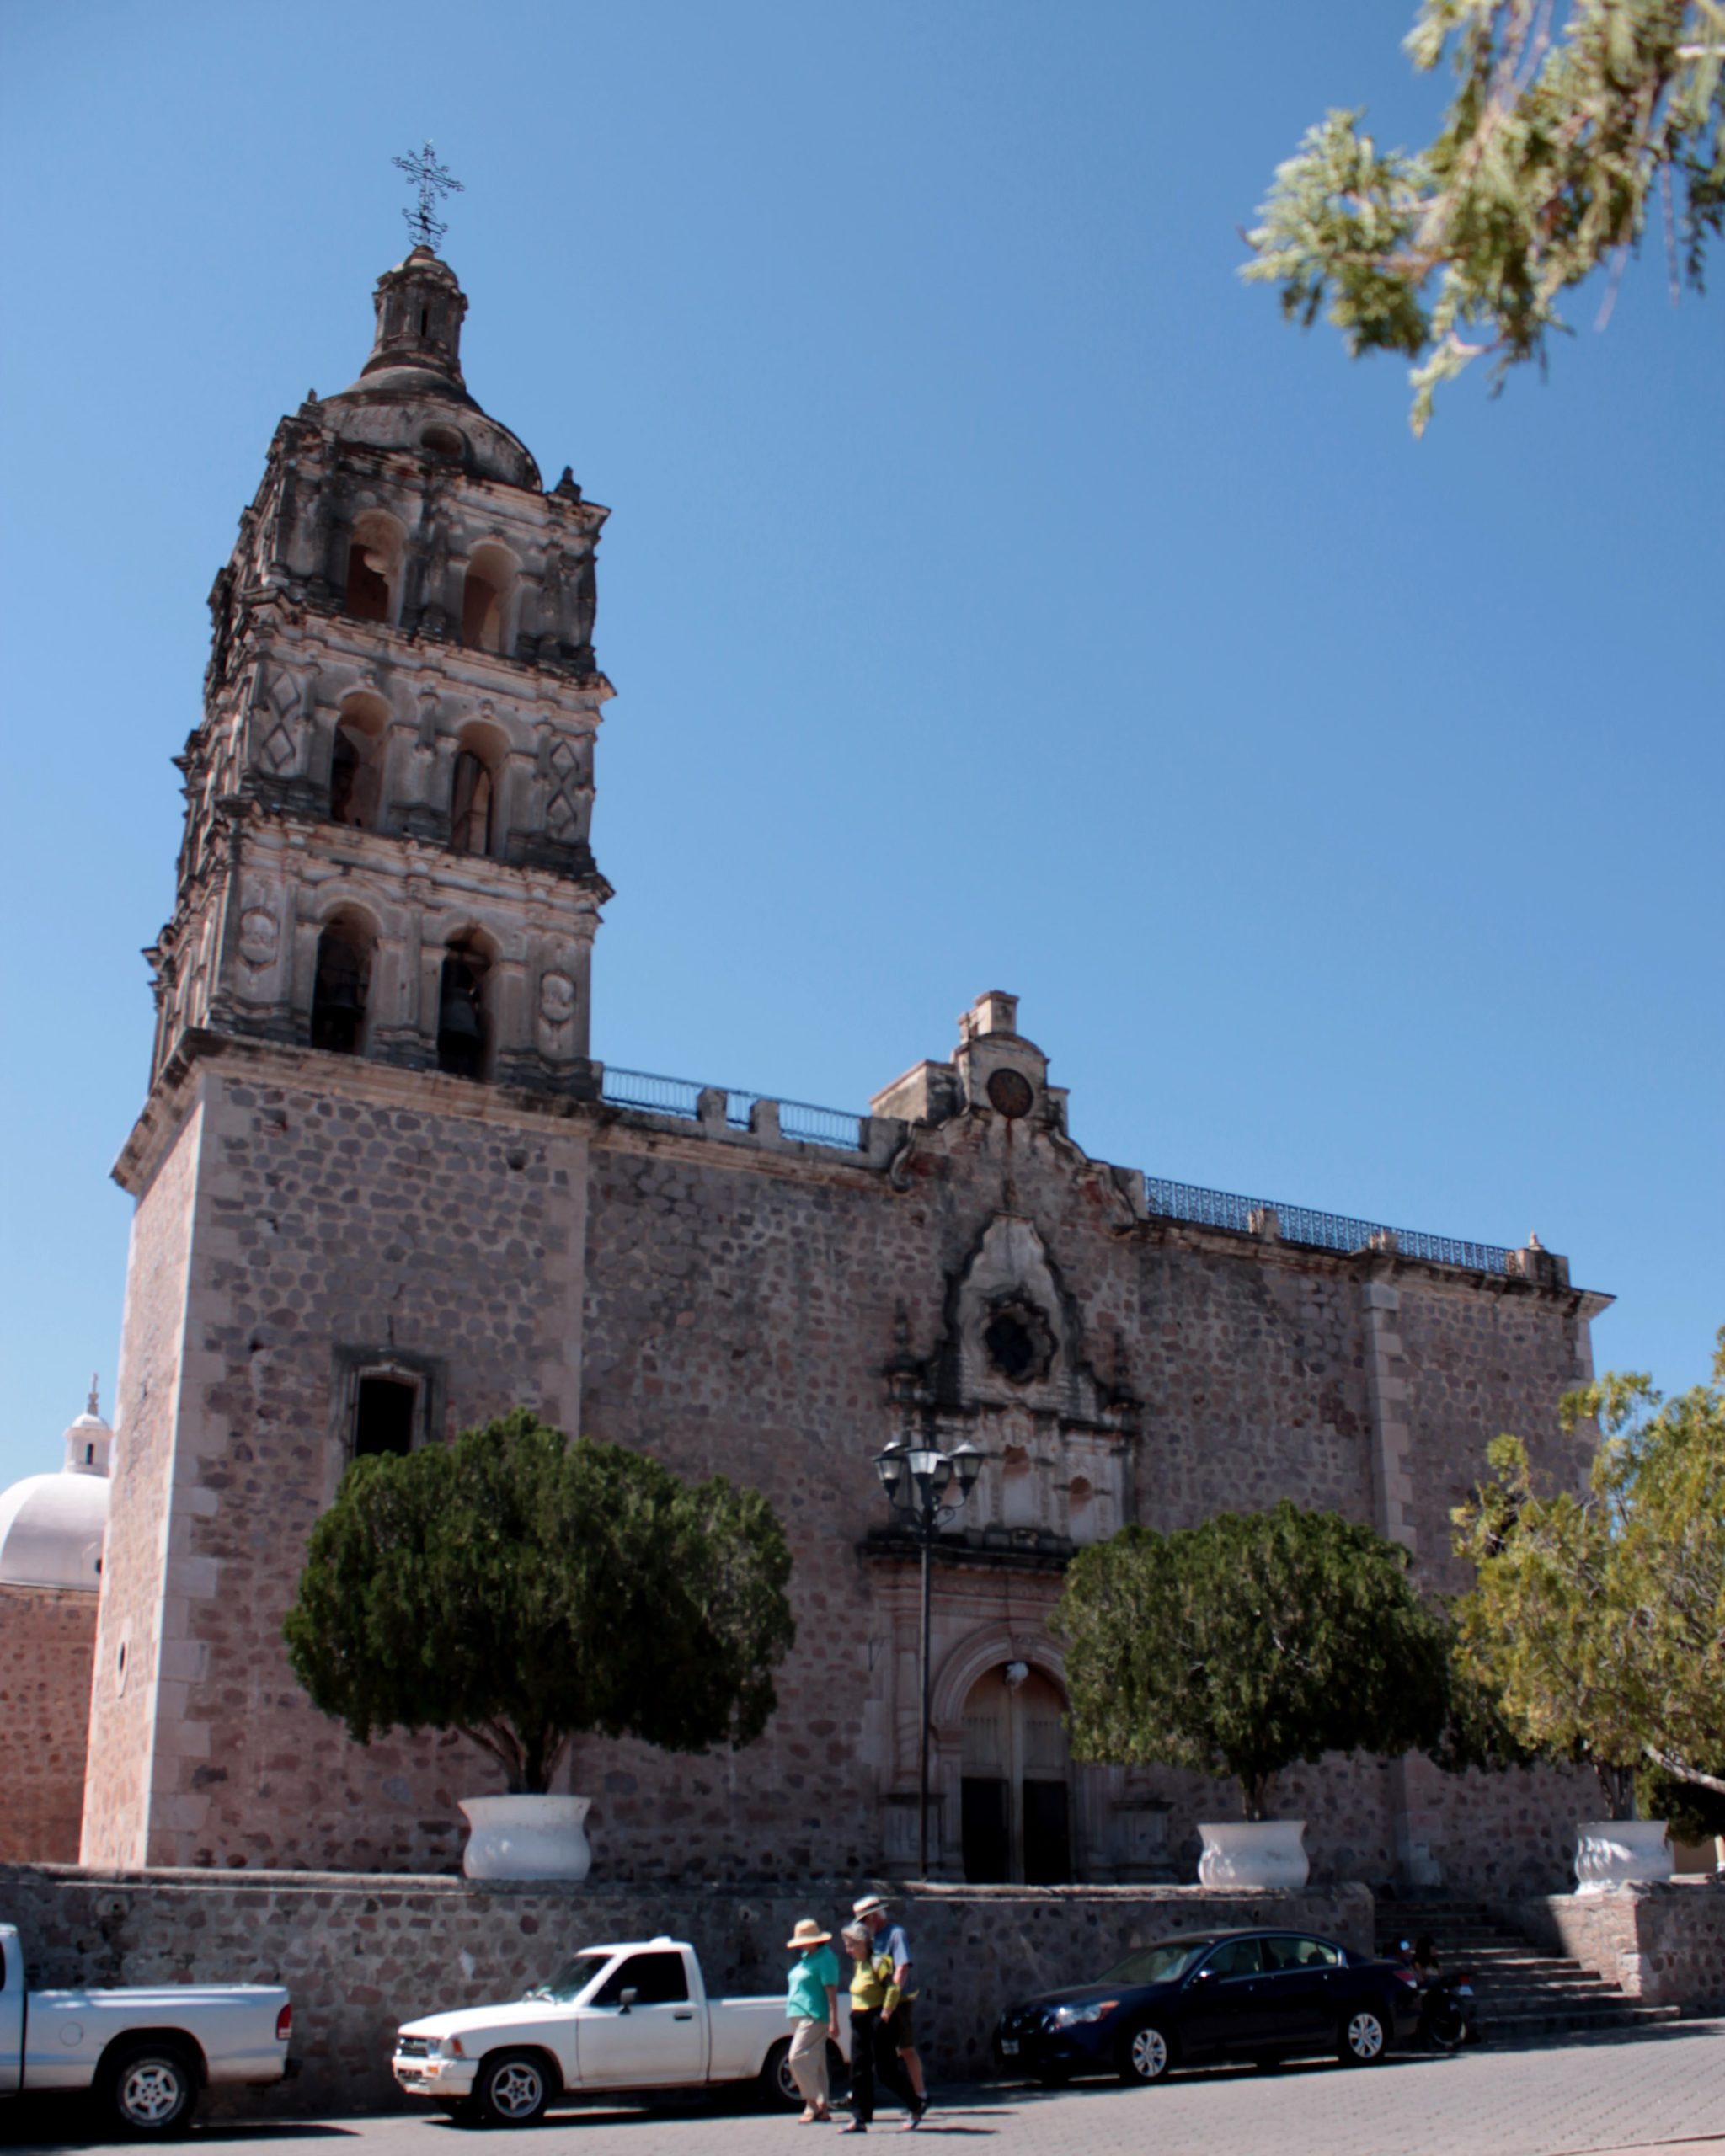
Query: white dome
{"points": [[51, 1526], [50, 1531]]}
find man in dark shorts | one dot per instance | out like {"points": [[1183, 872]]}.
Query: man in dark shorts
{"points": [[897, 2024]]}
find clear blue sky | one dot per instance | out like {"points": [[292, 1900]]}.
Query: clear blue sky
{"points": [[998, 595]]}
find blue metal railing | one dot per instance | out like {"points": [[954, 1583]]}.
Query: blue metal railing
{"points": [[1300, 1224], [808, 1125], [800, 1120]]}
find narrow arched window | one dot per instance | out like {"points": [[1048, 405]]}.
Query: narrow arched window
{"points": [[461, 1013], [354, 781], [367, 588], [482, 612], [374, 557], [470, 805], [486, 597], [338, 989]]}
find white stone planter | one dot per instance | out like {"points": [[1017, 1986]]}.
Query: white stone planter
{"points": [[526, 1837], [1613, 1852], [1254, 1853]]}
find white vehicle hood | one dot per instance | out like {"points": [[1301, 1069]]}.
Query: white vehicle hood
{"points": [[459, 2020]]}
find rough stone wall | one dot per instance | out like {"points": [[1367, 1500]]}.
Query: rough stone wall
{"points": [[1663, 1941], [47, 1636], [736, 1305], [120, 1769], [1479, 1363], [740, 1321], [360, 1956], [330, 1225]]}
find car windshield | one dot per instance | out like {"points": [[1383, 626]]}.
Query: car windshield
{"points": [[1165, 1963], [575, 1976]]}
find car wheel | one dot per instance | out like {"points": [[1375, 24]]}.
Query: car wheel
{"points": [[1145, 2055], [778, 2084], [513, 2089], [151, 2089], [1363, 2038]]}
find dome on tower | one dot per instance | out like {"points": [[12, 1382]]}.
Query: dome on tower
{"points": [[410, 393], [51, 1526]]}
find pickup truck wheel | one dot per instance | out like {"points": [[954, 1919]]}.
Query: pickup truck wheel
{"points": [[512, 2089], [778, 2087], [151, 2089]]}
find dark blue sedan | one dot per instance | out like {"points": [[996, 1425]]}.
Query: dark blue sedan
{"points": [[1258, 1995]]}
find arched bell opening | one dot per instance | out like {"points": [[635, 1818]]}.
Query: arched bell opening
{"points": [[473, 791], [374, 559], [341, 985], [356, 763], [488, 593], [1015, 1790], [463, 1017]]}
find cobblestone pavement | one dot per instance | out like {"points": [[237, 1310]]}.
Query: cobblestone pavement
{"points": [[1661, 2088]]}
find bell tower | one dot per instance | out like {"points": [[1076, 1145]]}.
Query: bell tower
{"points": [[361, 1171], [388, 800]]}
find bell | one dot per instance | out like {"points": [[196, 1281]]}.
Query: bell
{"points": [[456, 1017], [342, 993]]}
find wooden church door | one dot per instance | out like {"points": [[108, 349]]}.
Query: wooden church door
{"points": [[1014, 1792]]}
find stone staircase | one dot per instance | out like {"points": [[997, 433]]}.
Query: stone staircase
{"points": [[1522, 1993]]}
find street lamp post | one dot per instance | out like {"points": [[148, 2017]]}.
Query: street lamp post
{"points": [[917, 1479]]}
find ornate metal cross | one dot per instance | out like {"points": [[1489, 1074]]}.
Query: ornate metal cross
{"points": [[432, 179]]}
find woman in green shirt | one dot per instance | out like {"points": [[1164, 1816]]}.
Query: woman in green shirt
{"points": [[813, 2007]]}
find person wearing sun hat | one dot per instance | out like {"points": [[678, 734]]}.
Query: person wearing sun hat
{"points": [[812, 2006], [898, 2029]]}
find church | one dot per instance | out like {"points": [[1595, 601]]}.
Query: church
{"points": [[384, 1191]]}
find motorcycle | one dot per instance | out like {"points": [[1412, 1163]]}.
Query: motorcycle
{"points": [[1449, 2007]]}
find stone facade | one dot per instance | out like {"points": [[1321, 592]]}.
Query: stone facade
{"points": [[47, 1636], [362, 1955], [377, 1164], [1663, 1941]]}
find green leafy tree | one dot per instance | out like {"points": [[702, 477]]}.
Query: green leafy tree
{"points": [[1562, 139], [525, 1591], [1599, 1619], [1240, 1647]]}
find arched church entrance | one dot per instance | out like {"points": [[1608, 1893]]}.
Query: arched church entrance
{"points": [[1015, 1792]]}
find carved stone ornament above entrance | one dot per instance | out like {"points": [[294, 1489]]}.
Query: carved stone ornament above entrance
{"points": [[1014, 1331], [1018, 1339]]}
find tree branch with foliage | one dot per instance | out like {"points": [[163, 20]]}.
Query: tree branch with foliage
{"points": [[1599, 1620], [525, 1591], [1557, 148], [1256, 1640]]}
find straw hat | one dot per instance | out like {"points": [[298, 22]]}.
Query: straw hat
{"points": [[808, 1932], [867, 1906]]}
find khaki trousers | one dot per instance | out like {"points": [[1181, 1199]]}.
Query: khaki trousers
{"points": [[808, 2061]]}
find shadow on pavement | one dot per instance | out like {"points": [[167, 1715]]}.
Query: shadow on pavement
{"points": [[52, 2123], [1661, 2032]]}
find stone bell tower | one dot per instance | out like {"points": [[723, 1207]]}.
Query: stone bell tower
{"points": [[388, 800], [361, 1191]]}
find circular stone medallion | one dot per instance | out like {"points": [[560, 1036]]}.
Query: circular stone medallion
{"points": [[1009, 1094]]}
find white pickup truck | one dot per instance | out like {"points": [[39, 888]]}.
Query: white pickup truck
{"points": [[147, 2052], [613, 2017]]}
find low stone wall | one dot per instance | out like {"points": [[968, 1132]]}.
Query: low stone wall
{"points": [[47, 1636], [361, 1955], [1663, 1941]]}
